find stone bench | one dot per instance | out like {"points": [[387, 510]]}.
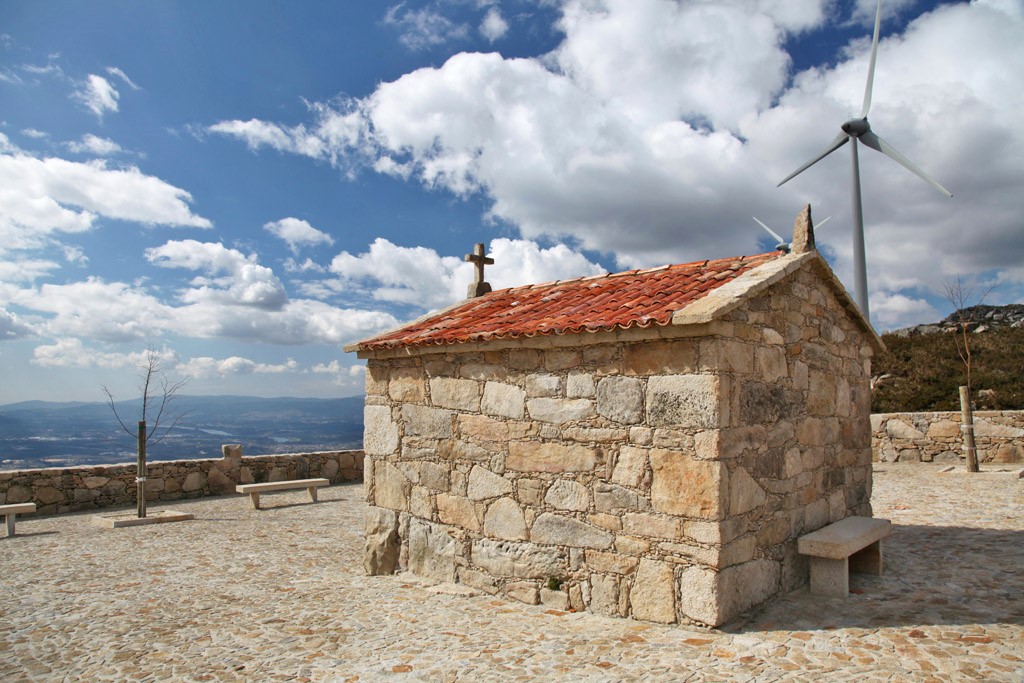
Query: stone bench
{"points": [[851, 544], [254, 490], [14, 509]]}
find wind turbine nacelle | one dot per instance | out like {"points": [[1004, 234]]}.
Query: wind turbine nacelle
{"points": [[856, 127]]}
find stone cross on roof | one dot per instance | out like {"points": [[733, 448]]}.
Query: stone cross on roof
{"points": [[479, 287]]}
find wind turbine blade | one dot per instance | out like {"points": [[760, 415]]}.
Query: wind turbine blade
{"points": [[871, 65], [838, 142], [877, 143], [770, 231], [818, 225]]}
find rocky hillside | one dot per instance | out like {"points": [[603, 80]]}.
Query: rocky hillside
{"points": [[922, 371]]}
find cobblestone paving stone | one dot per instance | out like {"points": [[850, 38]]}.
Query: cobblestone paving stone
{"points": [[279, 595]]}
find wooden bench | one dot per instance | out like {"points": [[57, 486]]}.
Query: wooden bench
{"points": [[851, 544], [254, 490], [13, 509]]}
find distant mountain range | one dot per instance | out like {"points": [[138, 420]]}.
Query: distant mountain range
{"points": [[47, 434]]}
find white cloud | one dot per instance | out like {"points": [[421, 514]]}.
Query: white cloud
{"points": [[26, 270], [35, 134], [98, 95], [493, 27], [11, 327], [656, 129], [94, 309], [71, 352], [420, 277], [242, 280], [296, 233], [42, 197], [114, 71], [424, 28], [205, 367], [898, 310], [92, 144]]}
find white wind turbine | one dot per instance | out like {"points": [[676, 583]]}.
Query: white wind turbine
{"points": [[852, 131]]}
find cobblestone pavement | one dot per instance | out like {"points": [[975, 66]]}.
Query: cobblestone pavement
{"points": [[279, 595]]}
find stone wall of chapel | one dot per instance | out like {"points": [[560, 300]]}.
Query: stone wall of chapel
{"points": [[798, 444]]}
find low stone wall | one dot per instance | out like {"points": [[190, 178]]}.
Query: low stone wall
{"points": [[66, 489], [936, 437]]}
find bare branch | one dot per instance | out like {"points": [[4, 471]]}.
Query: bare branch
{"points": [[110, 402]]}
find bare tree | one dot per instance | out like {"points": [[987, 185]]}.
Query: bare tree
{"points": [[959, 297], [158, 392]]}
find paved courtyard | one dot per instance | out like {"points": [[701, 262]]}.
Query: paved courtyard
{"points": [[279, 595]]}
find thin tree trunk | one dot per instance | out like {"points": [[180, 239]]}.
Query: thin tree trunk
{"points": [[967, 429], [140, 478]]}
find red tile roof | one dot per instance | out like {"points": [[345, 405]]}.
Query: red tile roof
{"points": [[620, 300]]}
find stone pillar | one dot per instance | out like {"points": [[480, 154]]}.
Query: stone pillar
{"points": [[224, 475]]}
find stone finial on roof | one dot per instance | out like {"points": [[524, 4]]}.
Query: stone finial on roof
{"points": [[478, 287], [803, 232]]}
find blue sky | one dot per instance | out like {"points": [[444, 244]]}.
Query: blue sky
{"points": [[248, 186]]}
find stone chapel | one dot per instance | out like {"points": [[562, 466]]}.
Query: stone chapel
{"points": [[646, 444]]}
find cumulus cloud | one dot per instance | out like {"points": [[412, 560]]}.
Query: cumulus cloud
{"points": [[420, 277], [26, 270], [11, 327], [493, 27], [92, 144], [423, 28], [297, 233], [71, 352], [98, 95], [205, 367], [42, 197], [656, 128], [234, 277]]}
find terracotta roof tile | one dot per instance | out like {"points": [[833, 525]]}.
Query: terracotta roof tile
{"points": [[637, 298]]}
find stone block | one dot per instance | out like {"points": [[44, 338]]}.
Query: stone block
{"points": [[660, 527], [561, 359], [611, 563], [504, 400], [543, 385], [458, 394], [407, 384], [380, 432], [554, 599], [524, 359], [659, 358], [1007, 453], [484, 484], [898, 429], [390, 487], [560, 410], [580, 384], [483, 371], [684, 486], [47, 495], [684, 401], [195, 481], [457, 511], [523, 591], [427, 422], [538, 456], [745, 494], [565, 494], [553, 529], [652, 595], [604, 595], [505, 520], [615, 499], [431, 551], [763, 403], [630, 466], [95, 482], [382, 541], [943, 429], [621, 399], [745, 585], [518, 560], [770, 363], [219, 482]]}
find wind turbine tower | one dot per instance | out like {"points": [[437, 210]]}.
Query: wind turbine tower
{"points": [[855, 130]]}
